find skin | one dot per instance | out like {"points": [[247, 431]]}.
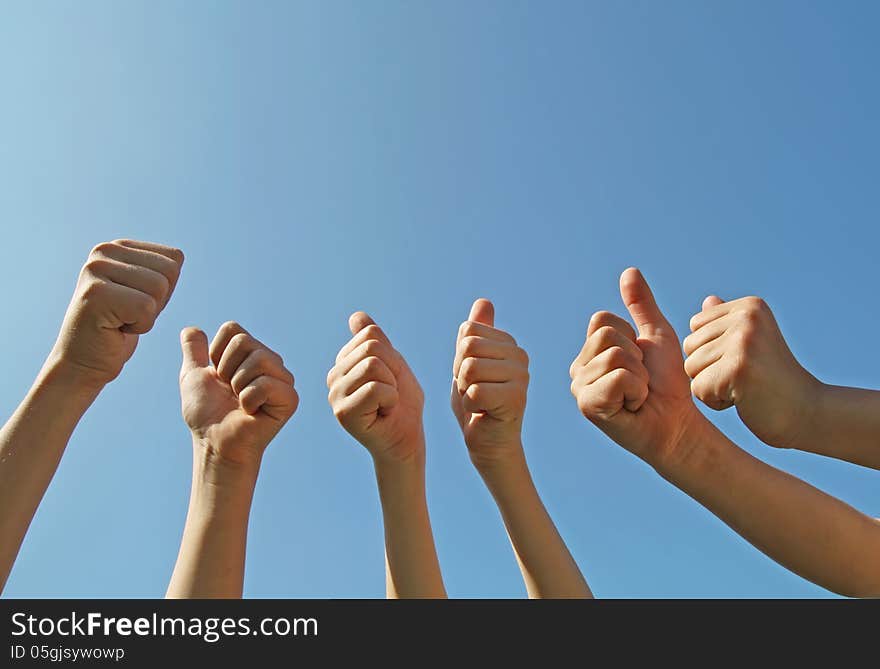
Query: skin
{"points": [[738, 357], [490, 380], [121, 290], [377, 399], [632, 385], [235, 397]]}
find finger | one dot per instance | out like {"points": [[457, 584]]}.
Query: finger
{"points": [[170, 252], [371, 331], [704, 356], [142, 258], [474, 329], [260, 362], [129, 310], [194, 346], [709, 332], [221, 340], [483, 311], [601, 340], [238, 349], [371, 398], [603, 319], [618, 390], [366, 349], [611, 359], [480, 347], [368, 370], [640, 302], [711, 301], [358, 321], [711, 387], [484, 370], [143, 279], [711, 313], [489, 398], [274, 397]]}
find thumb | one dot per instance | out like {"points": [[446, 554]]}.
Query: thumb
{"points": [[358, 321], [712, 301], [640, 303], [194, 345], [483, 311]]}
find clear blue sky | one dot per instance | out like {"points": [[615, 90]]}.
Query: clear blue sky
{"points": [[405, 158]]}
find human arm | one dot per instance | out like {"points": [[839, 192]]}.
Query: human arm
{"points": [[378, 400], [121, 290], [488, 397], [633, 386], [233, 408], [737, 356]]}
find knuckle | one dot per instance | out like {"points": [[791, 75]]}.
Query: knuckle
{"points": [[238, 340], [373, 365], [605, 335], [371, 347], [230, 326], [757, 304], [617, 356], [469, 345], [372, 331], [600, 317], [103, 249], [467, 372]]}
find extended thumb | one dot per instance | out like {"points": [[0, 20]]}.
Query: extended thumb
{"points": [[640, 302], [483, 311]]}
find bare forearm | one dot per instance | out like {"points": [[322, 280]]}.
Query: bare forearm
{"points": [[815, 535], [845, 424], [548, 569], [31, 446], [212, 552], [412, 567]]}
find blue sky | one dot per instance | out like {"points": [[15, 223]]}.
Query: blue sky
{"points": [[405, 158]]}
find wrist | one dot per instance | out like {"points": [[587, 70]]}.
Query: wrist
{"points": [[701, 445], [814, 402], [500, 465], [687, 448], [411, 467], [74, 379], [213, 468]]}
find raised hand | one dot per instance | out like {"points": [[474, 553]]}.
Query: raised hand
{"points": [[632, 384], [490, 378], [375, 395], [738, 356], [239, 404], [120, 292], [122, 288]]}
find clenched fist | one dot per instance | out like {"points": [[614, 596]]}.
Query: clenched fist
{"points": [[238, 405], [738, 356], [375, 395], [121, 290], [632, 384], [490, 379]]}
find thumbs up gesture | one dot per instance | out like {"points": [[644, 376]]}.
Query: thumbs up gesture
{"points": [[630, 382], [738, 356], [490, 378], [238, 404], [375, 396]]}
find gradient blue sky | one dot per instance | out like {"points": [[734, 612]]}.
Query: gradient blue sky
{"points": [[404, 158]]}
